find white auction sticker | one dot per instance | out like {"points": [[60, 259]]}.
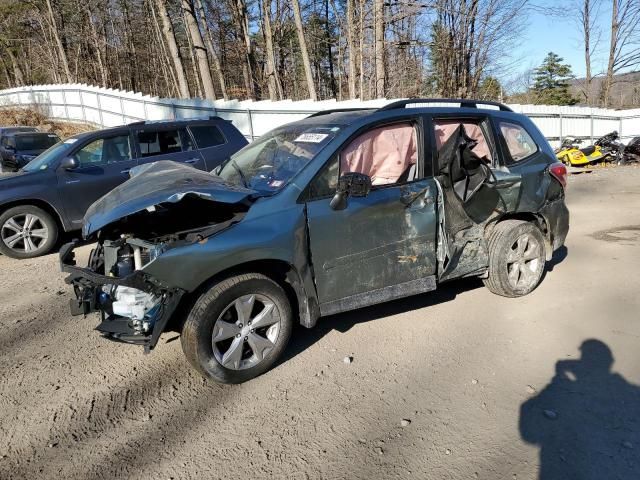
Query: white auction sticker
{"points": [[71, 140], [311, 138]]}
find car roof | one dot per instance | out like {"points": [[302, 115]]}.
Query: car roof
{"points": [[151, 123], [362, 117], [338, 117], [30, 134], [177, 121], [18, 129], [399, 108]]}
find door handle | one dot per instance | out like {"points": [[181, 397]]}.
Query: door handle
{"points": [[125, 171], [191, 160]]}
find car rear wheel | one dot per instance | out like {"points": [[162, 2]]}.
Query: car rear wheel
{"points": [[516, 258], [238, 328], [26, 232]]}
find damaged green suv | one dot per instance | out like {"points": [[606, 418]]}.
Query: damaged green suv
{"points": [[331, 213]]}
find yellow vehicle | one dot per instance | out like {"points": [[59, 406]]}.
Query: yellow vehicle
{"points": [[571, 155]]}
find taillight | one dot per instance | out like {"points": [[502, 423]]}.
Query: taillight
{"points": [[559, 172]]}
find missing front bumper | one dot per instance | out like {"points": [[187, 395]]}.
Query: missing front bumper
{"points": [[91, 297]]}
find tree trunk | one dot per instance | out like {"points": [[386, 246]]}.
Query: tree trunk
{"points": [[241, 18], [59, 46], [379, 34], [194, 65], [613, 46], [96, 45], [586, 25], [352, 50], [303, 50], [214, 55], [166, 57], [199, 48], [169, 36], [273, 81], [17, 71], [361, 48], [332, 76]]}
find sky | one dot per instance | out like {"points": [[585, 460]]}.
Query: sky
{"points": [[546, 33]]}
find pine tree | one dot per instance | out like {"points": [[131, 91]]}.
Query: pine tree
{"points": [[551, 81]]}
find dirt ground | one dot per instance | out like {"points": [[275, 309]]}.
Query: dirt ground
{"points": [[489, 387]]}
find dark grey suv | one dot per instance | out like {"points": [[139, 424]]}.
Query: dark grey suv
{"points": [[18, 149], [52, 192], [331, 213]]}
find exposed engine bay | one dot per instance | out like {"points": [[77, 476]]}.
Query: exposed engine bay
{"points": [[134, 306]]}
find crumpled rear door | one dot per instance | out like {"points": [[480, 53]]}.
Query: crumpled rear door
{"points": [[471, 193]]}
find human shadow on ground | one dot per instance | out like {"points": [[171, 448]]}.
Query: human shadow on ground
{"points": [[586, 422]]}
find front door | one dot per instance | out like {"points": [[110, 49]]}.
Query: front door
{"points": [[104, 164], [381, 246]]}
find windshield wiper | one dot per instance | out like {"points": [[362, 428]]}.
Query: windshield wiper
{"points": [[242, 177]]}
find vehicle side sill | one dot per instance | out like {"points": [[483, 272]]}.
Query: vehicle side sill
{"points": [[380, 295]]}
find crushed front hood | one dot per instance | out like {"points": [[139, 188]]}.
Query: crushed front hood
{"points": [[161, 182]]}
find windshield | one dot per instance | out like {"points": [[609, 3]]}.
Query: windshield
{"points": [[36, 142], [268, 164], [48, 157]]}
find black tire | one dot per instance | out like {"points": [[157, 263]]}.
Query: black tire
{"points": [[197, 331], [502, 239], [44, 220]]}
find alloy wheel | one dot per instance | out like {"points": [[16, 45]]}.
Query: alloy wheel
{"points": [[523, 262], [24, 232], [246, 331]]}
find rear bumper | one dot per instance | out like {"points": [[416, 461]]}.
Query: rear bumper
{"points": [[556, 214], [91, 297]]}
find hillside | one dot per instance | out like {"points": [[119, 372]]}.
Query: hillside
{"points": [[625, 92]]}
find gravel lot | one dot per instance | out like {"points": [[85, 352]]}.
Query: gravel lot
{"points": [[475, 376]]}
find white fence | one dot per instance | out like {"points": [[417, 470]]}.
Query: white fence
{"points": [[104, 107]]}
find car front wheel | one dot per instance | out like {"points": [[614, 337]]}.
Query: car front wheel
{"points": [[26, 232], [238, 328], [516, 258]]}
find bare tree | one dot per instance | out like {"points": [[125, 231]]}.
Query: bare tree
{"points": [[241, 18], [212, 51], [170, 38], [469, 38], [304, 52], [165, 58], [58, 43], [351, 45], [199, 49], [275, 88], [624, 46], [308, 48], [586, 16], [97, 41], [380, 48]]}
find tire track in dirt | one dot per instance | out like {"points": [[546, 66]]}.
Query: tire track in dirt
{"points": [[73, 405], [75, 427]]}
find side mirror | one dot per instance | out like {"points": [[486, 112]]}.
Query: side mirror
{"points": [[350, 184], [69, 163]]}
